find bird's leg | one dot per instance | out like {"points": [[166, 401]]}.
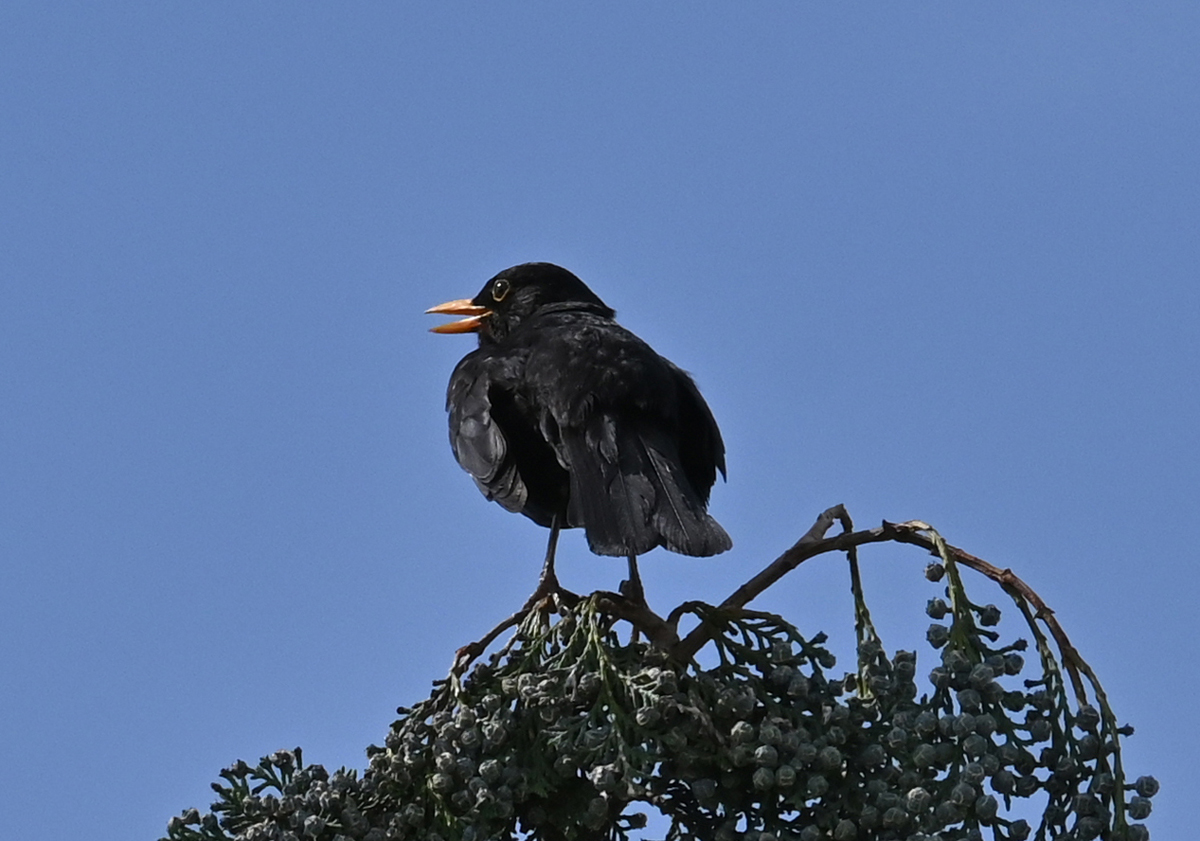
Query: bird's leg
{"points": [[548, 582], [632, 589]]}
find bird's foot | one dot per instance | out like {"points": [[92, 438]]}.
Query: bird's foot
{"points": [[632, 589], [550, 593]]}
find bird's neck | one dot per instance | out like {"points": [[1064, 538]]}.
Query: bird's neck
{"points": [[496, 330], [576, 306]]}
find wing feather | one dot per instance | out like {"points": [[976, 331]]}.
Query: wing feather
{"points": [[478, 441], [630, 494]]}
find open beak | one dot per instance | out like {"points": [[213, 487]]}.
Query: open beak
{"points": [[462, 306]]}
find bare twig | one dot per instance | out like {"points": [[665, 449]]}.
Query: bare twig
{"points": [[467, 654], [813, 543]]}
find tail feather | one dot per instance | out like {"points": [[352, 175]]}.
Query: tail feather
{"points": [[681, 518], [611, 501]]}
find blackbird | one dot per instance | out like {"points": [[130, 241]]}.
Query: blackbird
{"points": [[566, 417]]}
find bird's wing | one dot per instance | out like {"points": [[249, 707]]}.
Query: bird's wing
{"points": [[477, 440], [639, 471], [630, 492], [681, 516], [701, 450]]}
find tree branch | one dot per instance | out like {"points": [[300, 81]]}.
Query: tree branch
{"points": [[815, 543], [663, 632]]}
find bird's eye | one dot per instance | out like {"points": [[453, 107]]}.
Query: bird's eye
{"points": [[500, 290]]}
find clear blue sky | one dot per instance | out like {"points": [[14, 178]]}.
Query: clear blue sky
{"points": [[934, 261]]}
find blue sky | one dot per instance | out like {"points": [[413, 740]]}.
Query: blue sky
{"points": [[932, 261]]}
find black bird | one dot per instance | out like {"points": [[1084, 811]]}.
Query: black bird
{"points": [[566, 417]]}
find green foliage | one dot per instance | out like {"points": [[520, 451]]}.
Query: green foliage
{"points": [[569, 732]]}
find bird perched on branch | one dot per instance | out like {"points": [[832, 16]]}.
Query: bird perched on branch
{"points": [[566, 417]]}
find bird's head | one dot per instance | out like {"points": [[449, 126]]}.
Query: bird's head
{"points": [[514, 295]]}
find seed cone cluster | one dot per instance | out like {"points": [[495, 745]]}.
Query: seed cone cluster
{"points": [[573, 730]]}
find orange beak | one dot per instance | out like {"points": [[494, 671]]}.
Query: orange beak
{"points": [[462, 306]]}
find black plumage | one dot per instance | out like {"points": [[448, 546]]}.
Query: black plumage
{"points": [[566, 417]]}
